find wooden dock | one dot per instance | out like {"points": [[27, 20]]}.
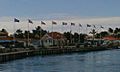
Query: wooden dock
{"points": [[4, 57]]}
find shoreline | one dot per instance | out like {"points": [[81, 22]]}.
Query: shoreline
{"points": [[10, 56]]}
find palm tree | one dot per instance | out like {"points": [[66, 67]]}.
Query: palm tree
{"points": [[38, 32], [93, 32], [19, 33], [117, 32], [110, 30], [76, 36]]}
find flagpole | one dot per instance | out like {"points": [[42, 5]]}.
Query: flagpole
{"points": [[100, 36], [79, 33], [28, 35], [61, 36], [70, 34], [14, 35], [62, 29], [61, 43], [15, 20], [86, 30], [52, 33], [40, 31]]}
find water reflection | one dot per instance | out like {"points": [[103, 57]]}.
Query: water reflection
{"points": [[102, 61]]}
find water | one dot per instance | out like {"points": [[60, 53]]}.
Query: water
{"points": [[101, 61]]}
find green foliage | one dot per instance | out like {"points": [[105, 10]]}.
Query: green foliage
{"points": [[110, 30], [36, 33]]}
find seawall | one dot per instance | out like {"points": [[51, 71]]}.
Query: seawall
{"points": [[4, 57]]}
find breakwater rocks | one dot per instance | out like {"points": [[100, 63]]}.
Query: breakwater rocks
{"points": [[23, 53]]}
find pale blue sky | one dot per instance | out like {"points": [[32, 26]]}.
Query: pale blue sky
{"points": [[41, 8], [99, 12]]}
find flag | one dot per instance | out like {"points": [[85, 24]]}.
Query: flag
{"points": [[29, 21], [80, 25], [101, 27], [64, 23], [72, 24], [88, 25], [53, 22], [16, 20], [43, 23]]}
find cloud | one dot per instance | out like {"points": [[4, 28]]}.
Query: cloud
{"points": [[113, 22]]}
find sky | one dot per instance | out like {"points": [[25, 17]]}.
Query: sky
{"points": [[99, 12]]}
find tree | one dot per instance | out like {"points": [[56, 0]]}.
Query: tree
{"points": [[117, 32], [104, 33], [4, 30], [67, 35], [93, 32], [19, 33], [82, 38], [38, 32], [110, 30], [98, 35], [76, 37], [26, 33]]}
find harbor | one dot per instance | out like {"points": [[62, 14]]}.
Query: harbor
{"points": [[59, 36], [100, 61], [39, 42], [17, 54], [21, 44]]}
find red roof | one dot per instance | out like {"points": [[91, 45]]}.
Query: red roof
{"points": [[6, 38], [110, 38], [56, 35]]}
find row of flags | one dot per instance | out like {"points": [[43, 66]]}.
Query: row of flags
{"points": [[17, 20], [54, 23]]}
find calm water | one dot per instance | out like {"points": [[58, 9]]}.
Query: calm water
{"points": [[101, 61]]}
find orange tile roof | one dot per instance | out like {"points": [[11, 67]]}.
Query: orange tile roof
{"points": [[56, 35], [6, 38], [110, 38]]}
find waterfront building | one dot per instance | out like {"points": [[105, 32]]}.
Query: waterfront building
{"points": [[5, 39], [53, 39]]}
